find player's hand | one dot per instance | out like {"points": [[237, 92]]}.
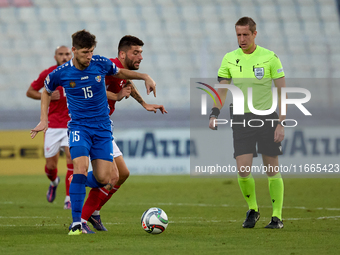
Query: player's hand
{"points": [[211, 123], [155, 107], [55, 95], [279, 134], [124, 92], [42, 126], [150, 85]]}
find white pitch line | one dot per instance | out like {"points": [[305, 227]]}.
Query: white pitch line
{"points": [[227, 205], [194, 220]]}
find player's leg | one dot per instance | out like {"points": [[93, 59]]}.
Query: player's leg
{"points": [[69, 164], [51, 152], [95, 219], [276, 190], [77, 187], [52, 174], [104, 171], [80, 142], [98, 195]]}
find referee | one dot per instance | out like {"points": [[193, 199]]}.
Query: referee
{"points": [[251, 66]]}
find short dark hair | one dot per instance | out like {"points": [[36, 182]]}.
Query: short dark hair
{"points": [[247, 21], [83, 39], [127, 41]]}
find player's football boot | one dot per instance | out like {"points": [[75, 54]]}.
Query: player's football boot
{"points": [[275, 223], [251, 219], [97, 223], [86, 229], [67, 205], [52, 191], [76, 230]]}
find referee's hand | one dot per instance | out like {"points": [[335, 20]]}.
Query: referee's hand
{"points": [[279, 134], [212, 124]]}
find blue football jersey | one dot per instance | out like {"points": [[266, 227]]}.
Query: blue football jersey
{"points": [[85, 89]]}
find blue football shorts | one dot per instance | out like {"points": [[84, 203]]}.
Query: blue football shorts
{"points": [[91, 140]]}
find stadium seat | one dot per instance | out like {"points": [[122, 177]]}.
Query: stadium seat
{"points": [[176, 28], [292, 29], [331, 28], [88, 14], [308, 13], [212, 28], [27, 14], [328, 12], [135, 28], [44, 3], [83, 3], [209, 12], [8, 15], [47, 14], [108, 14], [4, 3], [14, 30], [170, 13], [129, 13], [288, 13], [22, 3], [193, 29], [150, 13], [190, 13], [269, 13], [68, 14]]}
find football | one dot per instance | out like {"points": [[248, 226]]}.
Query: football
{"points": [[154, 220]]}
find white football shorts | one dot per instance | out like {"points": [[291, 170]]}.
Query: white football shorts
{"points": [[55, 138]]}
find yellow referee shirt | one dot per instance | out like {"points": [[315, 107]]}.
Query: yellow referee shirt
{"points": [[255, 70]]}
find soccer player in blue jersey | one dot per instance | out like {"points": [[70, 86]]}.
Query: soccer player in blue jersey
{"points": [[90, 133]]}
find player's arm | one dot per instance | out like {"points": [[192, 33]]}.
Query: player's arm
{"points": [[43, 124], [149, 107], [32, 93], [128, 74], [279, 131], [124, 92], [215, 111], [35, 87]]}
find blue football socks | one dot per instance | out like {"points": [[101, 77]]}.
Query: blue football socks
{"points": [[77, 195]]}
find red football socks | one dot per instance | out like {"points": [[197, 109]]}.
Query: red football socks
{"points": [[96, 196], [51, 174], [68, 174], [115, 188]]}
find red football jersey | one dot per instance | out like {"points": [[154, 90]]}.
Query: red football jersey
{"points": [[57, 111], [113, 84]]}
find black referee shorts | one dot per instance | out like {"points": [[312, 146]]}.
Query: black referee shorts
{"points": [[248, 132]]}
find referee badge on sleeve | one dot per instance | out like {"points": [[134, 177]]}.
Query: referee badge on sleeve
{"points": [[259, 72]]}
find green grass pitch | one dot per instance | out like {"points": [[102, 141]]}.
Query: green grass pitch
{"points": [[205, 217]]}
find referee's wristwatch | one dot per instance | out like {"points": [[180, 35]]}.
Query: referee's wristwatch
{"points": [[214, 113]]}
